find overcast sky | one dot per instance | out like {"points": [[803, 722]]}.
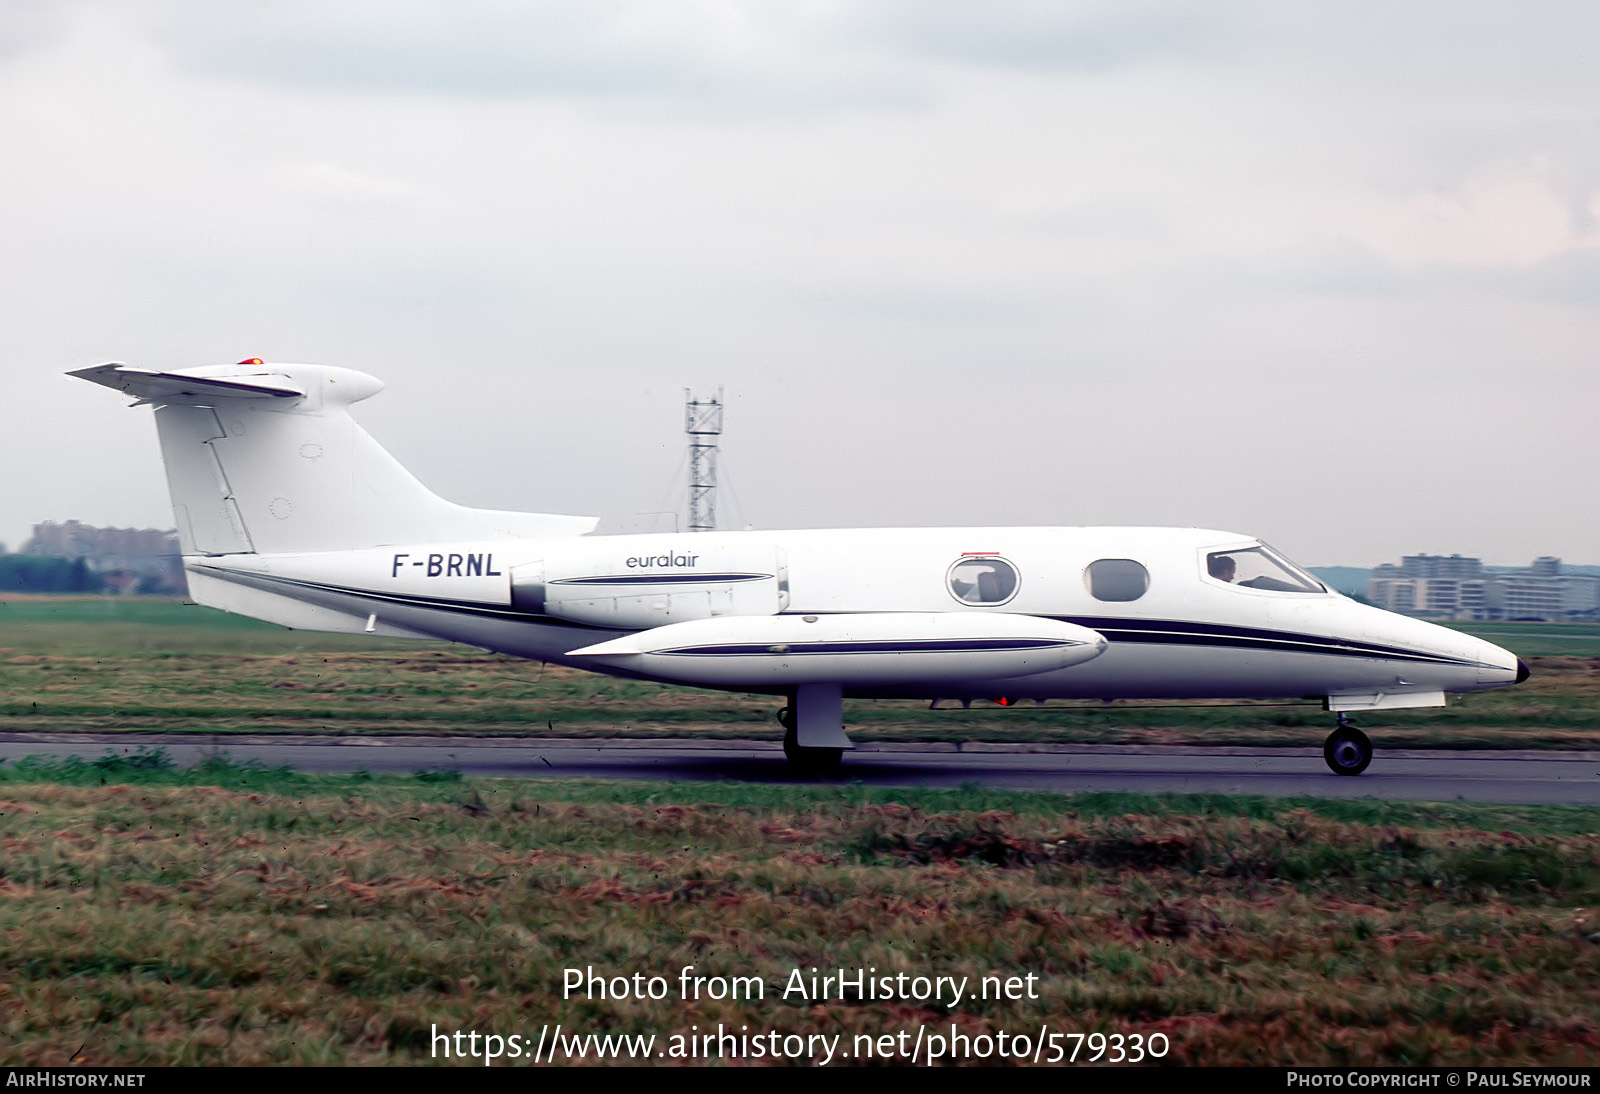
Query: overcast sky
{"points": [[1326, 274]]}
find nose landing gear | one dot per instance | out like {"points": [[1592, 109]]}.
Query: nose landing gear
{"points": [[1347, 750]]}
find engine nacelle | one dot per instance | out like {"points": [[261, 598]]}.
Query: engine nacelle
{"points": [[654, 584]]}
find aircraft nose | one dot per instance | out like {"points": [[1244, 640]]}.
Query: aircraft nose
{"points": [[1497, 667]]}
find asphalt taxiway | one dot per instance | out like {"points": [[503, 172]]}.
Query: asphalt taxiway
{"points": [[1520, 777]]}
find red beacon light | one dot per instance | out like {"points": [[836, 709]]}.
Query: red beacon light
{"points": [[252, 361]]}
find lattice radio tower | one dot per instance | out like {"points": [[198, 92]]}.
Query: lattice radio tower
{"points": [[703, 424]]}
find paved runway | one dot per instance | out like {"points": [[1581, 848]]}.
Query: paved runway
{"points": [[1528, 777]]}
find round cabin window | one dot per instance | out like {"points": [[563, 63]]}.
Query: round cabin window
{"points": [[983, 579]]}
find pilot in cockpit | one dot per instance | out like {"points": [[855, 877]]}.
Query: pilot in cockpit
{"points": [[1260, 568]]}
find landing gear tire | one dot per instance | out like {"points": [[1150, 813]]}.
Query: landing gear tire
{"points": [[1347, 751], [808, 760]]}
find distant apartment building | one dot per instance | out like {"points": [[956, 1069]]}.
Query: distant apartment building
{"points": [[1459, 588], [127, 558]]}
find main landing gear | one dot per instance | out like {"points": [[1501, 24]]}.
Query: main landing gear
{"points": [[1347, 749], [813, 728], [810, 760]]}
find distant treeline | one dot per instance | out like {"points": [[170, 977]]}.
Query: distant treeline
{"points": [[38, 574]]}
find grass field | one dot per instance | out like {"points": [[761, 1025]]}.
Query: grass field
{"points": [[134, 665], [231, 915], [1539, 639]]}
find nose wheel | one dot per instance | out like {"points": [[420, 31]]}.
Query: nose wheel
{"points": [[1347, 749]]}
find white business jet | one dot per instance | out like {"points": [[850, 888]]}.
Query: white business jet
{"points": [[288, 511]]}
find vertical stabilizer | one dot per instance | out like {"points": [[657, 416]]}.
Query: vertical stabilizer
{"points": [[267, 458]]}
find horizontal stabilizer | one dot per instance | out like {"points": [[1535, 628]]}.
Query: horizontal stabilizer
{"points": [[184, 387]]}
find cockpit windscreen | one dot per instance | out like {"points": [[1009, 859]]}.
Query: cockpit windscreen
{"points": [[1261, 568]]}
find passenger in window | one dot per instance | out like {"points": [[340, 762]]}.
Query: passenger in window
{"points": [[983, 581], [1222, 567]]}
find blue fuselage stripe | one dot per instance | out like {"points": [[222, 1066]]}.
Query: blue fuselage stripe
{"points": [[1170, 632]]}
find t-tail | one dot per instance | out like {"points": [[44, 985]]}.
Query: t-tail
{"points": [[267, 459]]}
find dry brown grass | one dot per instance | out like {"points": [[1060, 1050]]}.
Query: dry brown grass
{"points": [[157, 925]]}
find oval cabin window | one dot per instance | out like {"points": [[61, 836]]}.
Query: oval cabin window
{"points": [[983, 580], [1117, 579]]}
